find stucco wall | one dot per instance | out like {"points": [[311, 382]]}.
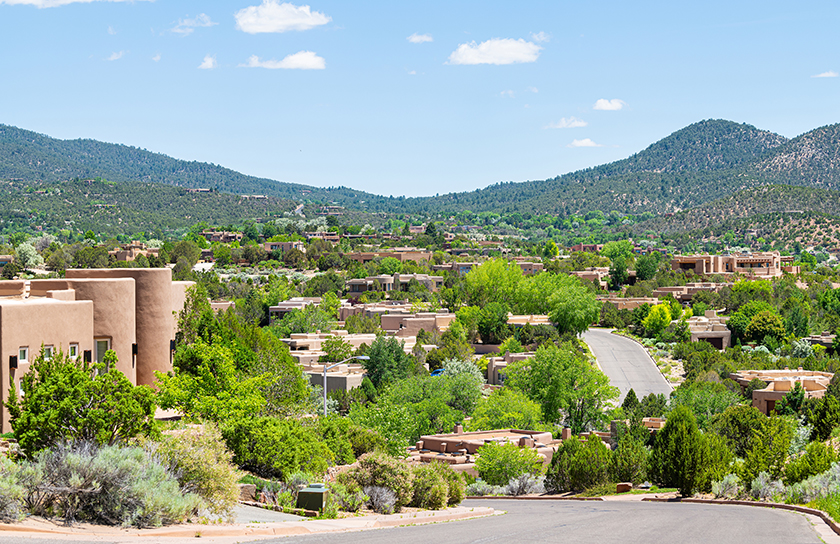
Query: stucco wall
{"points": [[59, 323]]}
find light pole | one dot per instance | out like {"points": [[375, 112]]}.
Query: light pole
{"points": [[359, 357]]}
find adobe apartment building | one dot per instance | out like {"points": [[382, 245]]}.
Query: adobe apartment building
{"points": [[130, 310], [756, 265]]}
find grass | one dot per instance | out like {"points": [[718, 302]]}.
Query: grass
{"points": [[830, 505], [609, 489]]}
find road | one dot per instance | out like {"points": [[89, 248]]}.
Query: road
{"points": [[606, 522], [626, 363]]}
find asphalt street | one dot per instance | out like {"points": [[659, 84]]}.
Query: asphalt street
{"points": [[626, 363], [572, 522]]}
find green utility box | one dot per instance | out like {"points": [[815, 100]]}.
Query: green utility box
{"points": [[313, 497]]}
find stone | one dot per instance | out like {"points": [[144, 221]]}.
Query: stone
{"points": [[247, 492], [623, 487]]}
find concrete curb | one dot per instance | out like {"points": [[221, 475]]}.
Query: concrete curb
{"points": [[776, 505], [533, 498], [288, 528]]}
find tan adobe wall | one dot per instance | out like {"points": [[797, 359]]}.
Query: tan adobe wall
{"points": [[155, 299], [12, 288], [59, 324]]}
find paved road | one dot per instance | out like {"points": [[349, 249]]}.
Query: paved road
{"points": [[626, 364], [573, 522]]}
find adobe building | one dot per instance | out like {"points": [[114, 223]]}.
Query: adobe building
{"points": [[780, 383], [397, 282], [284, 247], [401, 254], [685, 293], [629, 303], [754, 265], [710, 328], [130, 252]]}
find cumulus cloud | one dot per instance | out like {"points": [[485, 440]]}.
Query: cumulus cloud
{"points": [[540, 37], [570, 122], [185, 27], [54, 3], [272, 16], [208, 63], [533, 89], [117, 55], [302, 60], [508, 93], [111, 30], [413, 73], [420, 38], [830, 73], [495, 51], [586, 142], [609, 105], [156, 57]]}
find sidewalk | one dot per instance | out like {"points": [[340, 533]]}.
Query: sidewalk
{"points": [[230, 533]]}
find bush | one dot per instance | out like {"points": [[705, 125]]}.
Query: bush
{"points": [[578, 465], [498, 463], [817, 458], [275, 448], [202, 465], [457, 486], [766, 488], [110, 485], [100, 407], [382, 470], [704, 399], [677, 458], [767, 449], [728, 488], [364, 440], [735, 425], [381, 499], [431, 490], [480, 488], [629, 461], [825, 417], [11, 492], [349, 498], [525, 484]]}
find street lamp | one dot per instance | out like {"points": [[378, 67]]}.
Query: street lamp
{"points": [[359, 357]]}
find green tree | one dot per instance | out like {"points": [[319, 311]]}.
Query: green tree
{"points": [[735, 425], [492, 324], [765, 324], [494, 281], [497, 463], [646, 266], [677, 455], [573, 309], [550, 250], [657, 319], [618, 273], [387, 361], [506, 408], [27, 256], [66, 399], [615, 249], [569, 389]]}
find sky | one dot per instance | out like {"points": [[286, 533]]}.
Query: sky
{"points": [[415, 99]]}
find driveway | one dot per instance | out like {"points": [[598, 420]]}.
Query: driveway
{"points": [[626, 363]]}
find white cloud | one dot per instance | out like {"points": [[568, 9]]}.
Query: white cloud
{"points": [[413, 73], [185, 27], [272, 16], [507, 93], [586, 142], [208, 63], [533, 89], [571, 122], [830, 73], [117, 55], [609, 105], [540, 37], [156, 57], [302, 60], [495, 51], [55, 3], [111, 30], [420, 38]]}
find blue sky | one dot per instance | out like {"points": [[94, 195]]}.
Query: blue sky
{"points": [[415, 99]]}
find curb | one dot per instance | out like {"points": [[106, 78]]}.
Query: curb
{"points": [[532, 498], [288, 528], [775, 505]]}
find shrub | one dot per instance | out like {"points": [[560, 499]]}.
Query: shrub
{"points": [[729, 487], [767, 449], [735, 425], [202, 464], [704, 399], [578, 465], [431, 490], [818, 486], [498, 463], [480, 488], [349, 498], [677, 455], [11, 492], [334, 431], [456, 484], [766, 488], [110, 485], [629, 461], [525, 485], [381, 499], [754, 385], [382, 470], [364, 440], [826, 417], [272, 447], [104, 408], [817, 458]]}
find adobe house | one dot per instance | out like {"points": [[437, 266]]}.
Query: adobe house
{"points": [[710, 328], [130, 310], [284, 247], [780, 383], [755, 265]]}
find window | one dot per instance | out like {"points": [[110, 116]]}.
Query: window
{"points": [[48, 352], [73, 352], [23, 355], [102, 345], [20, 387]]}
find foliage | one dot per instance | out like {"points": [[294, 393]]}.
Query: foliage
{"points": [[817, 458], [578, 465], [630, 461], [657, 319], [12, 493], [310, 319], [272, 447], [568, 388], [388, 362], [793, 401], [495, 280], [456, 367], [498, 463], [335, 350], [573, 308], [765, 324], [492, 324], [111, 485], [735, 425], [767, 449], [349, 498], [362, 324], [381, 470], [202, 464], [505, 408], [431, 488], [704, 399], [729, 487], [764, 488], [381, 499], [395, 423], [68, 399], [825, 417]]}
